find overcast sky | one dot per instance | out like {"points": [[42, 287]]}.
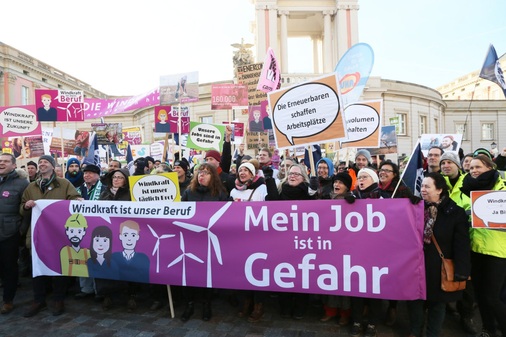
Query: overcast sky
{"points": [[123, 47]]}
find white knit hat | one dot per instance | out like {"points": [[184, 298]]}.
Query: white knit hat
{"points": [[249, 166], [370, 172]]}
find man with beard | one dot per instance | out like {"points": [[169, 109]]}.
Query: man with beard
{"points": [[74, 173], [91, 189], [73, 258], [47, 186]]}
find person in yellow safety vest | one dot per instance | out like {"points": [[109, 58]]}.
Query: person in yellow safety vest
{"points": [[451, 170], [73, 258]]}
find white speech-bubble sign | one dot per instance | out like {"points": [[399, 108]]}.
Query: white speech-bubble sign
{"points": [[206, 136], [18, 120], [361, 121], [131, 209], [154, 188], [491, 207], [306, 110]]}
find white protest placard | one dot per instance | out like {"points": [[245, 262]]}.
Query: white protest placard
{"points": [[308, 113]]}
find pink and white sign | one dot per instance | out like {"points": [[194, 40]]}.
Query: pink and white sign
{"points": [[96, 107], [372, 248], [59, 105], [228, 96], [19, 121]]}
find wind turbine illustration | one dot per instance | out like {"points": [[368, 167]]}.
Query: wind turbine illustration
{"points": [[182, 258], [212, 239], [157, 246]]}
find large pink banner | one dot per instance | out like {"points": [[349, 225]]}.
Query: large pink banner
{"points": [[96, 107], [372, 248]]}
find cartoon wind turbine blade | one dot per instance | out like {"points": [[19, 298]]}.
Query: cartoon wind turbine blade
{"points": [[218, 214], [176, 261], [153, 232], [216, 246], [157, 245], [188, 226], [194, 257]]}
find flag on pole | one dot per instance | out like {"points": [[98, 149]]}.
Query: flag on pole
{"points": [[317, 155], [270, 78], [413, 173], [93, 156], [492, 71]]}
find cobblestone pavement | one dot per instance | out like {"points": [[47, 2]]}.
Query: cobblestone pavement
{"points": [[85, 318]]}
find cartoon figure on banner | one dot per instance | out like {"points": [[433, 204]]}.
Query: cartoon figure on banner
{"points": [[162, 125], [46, 113], [82, 143], [256, 125], [73, 258], [266, 110], [133, 266], [100, 263]]}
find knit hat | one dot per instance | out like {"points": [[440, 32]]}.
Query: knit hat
{"points": [[482, 151], [249, 166], [182, 163], [364, 153], [150, 159], [72, 161], [370, 172], [452, 156], [32, 163], [214, 154], [329, 163], [92, 168], [49, 159], [343, 177]]}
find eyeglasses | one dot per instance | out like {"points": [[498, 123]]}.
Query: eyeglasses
{"points": [[363, 177], [118, 177], [386, 171], [295, 174], [434, 155], [203, 173]]}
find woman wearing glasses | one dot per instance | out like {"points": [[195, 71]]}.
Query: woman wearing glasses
{"points": [[296, 186], [117, 186], [367, 183], [488, 249], [205, 185], [118, 189]]}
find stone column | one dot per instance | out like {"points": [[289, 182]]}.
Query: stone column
{"points": [[284, 42], [327, 42]]}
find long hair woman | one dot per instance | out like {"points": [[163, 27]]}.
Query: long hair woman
{"points": [[488, 247]]}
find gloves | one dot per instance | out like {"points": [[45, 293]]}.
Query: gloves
{"points": [[313, 183], [459, 278], [414, 199], [268, 172], [350, 198]]}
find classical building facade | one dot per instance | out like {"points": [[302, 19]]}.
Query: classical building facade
{"points": [[333, 27]]}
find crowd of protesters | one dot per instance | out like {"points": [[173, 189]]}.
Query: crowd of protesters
{"points": [[479, 254]]}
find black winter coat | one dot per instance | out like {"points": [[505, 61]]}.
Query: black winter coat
{"points": [[451, 230]]}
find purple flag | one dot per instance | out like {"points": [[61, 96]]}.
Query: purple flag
{"points": [[270, 78]]}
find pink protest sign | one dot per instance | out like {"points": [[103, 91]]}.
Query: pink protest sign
{"points": [[227, 96], [372, 248], [59, 105], [19, 121], [97, 107]]}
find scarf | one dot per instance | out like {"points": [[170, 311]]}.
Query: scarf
{"points": [[299, 192], [484, 182], [430, 216], [44, 183], [113, 190], [241, 186]]}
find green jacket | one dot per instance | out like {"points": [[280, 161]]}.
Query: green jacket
{"points": [[490, 241]]}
